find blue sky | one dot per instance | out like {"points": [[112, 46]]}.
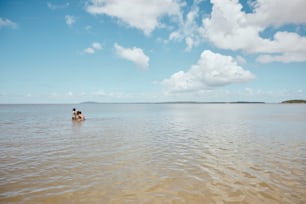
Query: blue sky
{"points": [[151, 51]]}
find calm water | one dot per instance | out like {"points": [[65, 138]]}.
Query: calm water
{"points": [[153, 153]]}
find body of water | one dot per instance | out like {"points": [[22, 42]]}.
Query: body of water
{"points": [[153, 153]]}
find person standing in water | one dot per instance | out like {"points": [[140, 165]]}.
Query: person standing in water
{"points": [[80, 116], [74, 114]]}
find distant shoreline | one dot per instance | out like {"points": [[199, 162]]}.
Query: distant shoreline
{"points": [[194, 102], [293, 101], [177, 102]]}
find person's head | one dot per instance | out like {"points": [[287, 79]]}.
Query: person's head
{"points": [[73, 109]]}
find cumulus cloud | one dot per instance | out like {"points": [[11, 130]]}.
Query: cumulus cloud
{"points": [[93, 48], [241, 60], [135, 55], [141, 14], [286, 47], [278, 13], [188, 29], [211, 70], [285, 58], [70, 20], [7, 23], [229, 27]]}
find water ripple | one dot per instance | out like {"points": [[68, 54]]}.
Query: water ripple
{"points": [[155, 154]]}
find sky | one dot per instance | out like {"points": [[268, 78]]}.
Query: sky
{"points": [[152, 51]]}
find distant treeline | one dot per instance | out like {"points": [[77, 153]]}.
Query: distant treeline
{"points": [[295, 101], [195, 102], [172, 102]]}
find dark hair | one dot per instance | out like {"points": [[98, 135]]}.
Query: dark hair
{"points": [[73, 109]]}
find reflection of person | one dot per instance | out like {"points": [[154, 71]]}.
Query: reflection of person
{"points": [[80, 116], [74, 114]]}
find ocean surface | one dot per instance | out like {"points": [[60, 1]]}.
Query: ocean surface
{"points": [[153, 153]]}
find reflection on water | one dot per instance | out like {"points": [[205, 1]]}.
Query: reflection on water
{"points": [[153, 153]]}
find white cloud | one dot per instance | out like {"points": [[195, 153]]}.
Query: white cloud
{"points": [[241, 60], [286, 47], [141, 14], [229, 27], [286, 58], [7, 23], [188, 29], [89, 50], [280, 12], [135, 55], [94, 47], [70, 20], [211, 70]]}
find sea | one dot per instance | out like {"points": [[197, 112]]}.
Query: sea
{"points": [[153, 153]]}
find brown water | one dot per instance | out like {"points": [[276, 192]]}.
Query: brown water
{"points": [[153, 153]]}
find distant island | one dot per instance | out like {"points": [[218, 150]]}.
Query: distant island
{"points": [[294, 101], [196, 102]]}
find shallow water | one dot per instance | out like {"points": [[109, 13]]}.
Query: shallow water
{"points": [[153, 153]]}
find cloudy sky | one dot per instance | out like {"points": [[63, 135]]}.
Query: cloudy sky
{"points": [[152, 50]]}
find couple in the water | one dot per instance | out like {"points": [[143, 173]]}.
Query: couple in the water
{"points": [[77, 115]]}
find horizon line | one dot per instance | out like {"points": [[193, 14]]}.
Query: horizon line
{"points": [[164, 102]]}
